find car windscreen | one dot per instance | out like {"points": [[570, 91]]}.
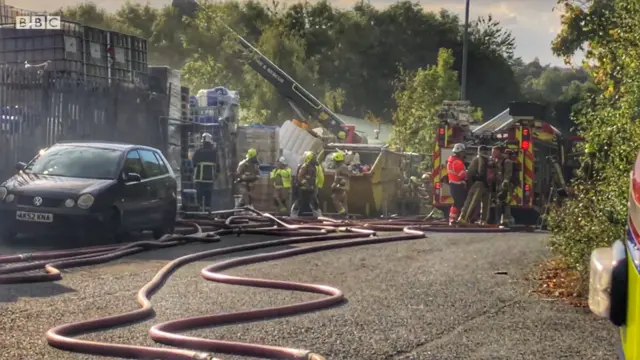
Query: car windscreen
{"points": [[76, 161]]}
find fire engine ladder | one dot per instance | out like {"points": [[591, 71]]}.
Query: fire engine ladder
{"points": [[300, 100]]}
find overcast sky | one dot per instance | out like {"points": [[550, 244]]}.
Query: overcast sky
{"points": [[534, 23]]}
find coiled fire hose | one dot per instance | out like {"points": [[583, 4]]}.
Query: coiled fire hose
{"points": [[324, 229]]}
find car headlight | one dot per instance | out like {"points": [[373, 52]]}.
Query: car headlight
{"points": [[9, 198], [608, 282], [70, 203], [85, 201], [3, 192]]}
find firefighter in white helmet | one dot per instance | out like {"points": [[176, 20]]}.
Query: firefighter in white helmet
{"points": [[457, 174], [206, 169]]}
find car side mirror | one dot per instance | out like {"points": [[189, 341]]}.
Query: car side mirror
{"points": [[131, 177], [20, 166]]}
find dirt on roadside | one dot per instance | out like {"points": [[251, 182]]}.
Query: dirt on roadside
{"points": [[555, 280]]}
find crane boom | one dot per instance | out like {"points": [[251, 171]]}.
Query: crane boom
{"points": [[297, 96]]}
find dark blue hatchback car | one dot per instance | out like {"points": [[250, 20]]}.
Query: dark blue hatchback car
{"points": [[91, 189]]}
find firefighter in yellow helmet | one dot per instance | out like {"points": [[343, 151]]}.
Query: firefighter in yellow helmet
{"points": [[340, 185], [281, 179], [342, 136], [307, 185], [248, 173]]}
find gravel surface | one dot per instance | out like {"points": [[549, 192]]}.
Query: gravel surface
{"points": [[437, 298]]}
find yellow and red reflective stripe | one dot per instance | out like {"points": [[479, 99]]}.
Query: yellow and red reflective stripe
{"points": [[516, 195], [435, 173], [446, 200], [528, 174]]}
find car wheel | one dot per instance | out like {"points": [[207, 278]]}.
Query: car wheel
{"points": [[168, 223], [112, 231]]}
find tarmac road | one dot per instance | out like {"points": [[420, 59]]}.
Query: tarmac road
{"points": [[437, 298]]}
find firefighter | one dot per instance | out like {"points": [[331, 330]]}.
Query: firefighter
{"points": [[307, 180], [504, 185], [281, 178], [481, 173], [248, 173], [457, 174], [340, 185], [426, 185], [206, 169], [342, 136]]}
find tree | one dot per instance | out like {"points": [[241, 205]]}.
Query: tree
{"points": [[488, 35], [419, 95], [597, 216], [561, 88], [582, 21]]}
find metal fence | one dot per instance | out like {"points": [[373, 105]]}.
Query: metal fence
{"points": [[38, 109]]}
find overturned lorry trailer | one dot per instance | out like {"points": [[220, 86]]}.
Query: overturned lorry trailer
{"points": [[371, 193], [521, 128]]}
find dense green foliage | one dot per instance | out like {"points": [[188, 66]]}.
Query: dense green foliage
{"points": [[418, 96], [597, 214]]}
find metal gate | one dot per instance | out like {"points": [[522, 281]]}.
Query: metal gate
{"points": [[38, 109]]}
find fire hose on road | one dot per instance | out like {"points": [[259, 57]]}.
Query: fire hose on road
{"points": [[324, 232]]}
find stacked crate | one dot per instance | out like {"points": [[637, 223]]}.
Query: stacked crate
{"points": [[262, 194], [91, 54], [62, 50], [8, 13], [265, 139], [166, 81], [127, 57]]}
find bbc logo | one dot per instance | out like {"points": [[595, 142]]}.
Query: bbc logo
{"points": [[38, 22]]}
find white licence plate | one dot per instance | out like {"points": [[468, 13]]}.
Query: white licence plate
{"points": [[30, 216]]}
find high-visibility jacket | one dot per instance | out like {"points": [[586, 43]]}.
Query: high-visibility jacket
{"points": [[456, 170], [205, 172], [281, 178], [319, 176]]}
